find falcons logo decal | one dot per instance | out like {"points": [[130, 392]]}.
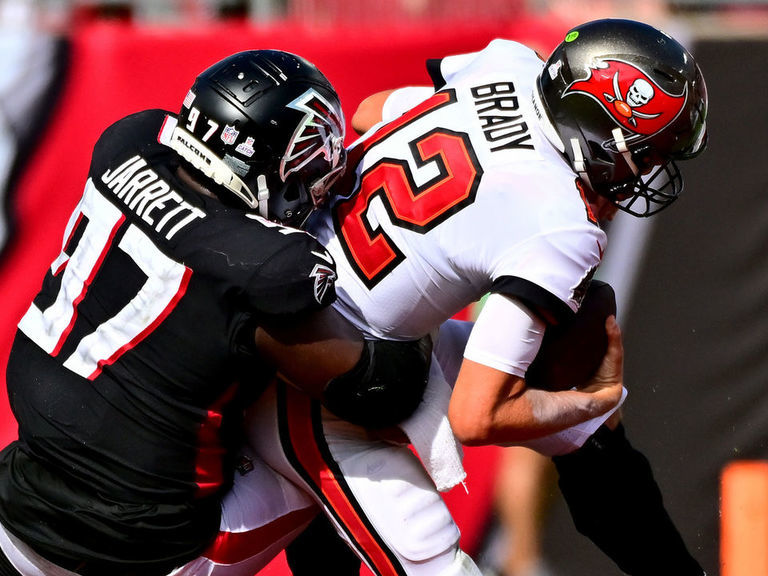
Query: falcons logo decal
{"points": [[324, 276], [630, 96], [320, 132]]}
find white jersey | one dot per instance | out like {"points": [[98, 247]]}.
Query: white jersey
{"points": [[460, 196]]}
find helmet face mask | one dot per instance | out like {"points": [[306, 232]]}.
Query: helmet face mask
{"points": [[622, 101], [650, 193], [266, 126]]}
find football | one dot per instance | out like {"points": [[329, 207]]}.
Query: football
{"points": [[571, 352]]}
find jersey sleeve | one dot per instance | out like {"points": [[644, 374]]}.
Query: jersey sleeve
{"points": [[299, 277], [403, 99], [445, 70], [551, 273], [506, 336]]}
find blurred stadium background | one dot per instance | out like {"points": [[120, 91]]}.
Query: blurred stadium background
{"points": [[692, 283]]}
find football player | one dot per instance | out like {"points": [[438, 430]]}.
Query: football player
{"points": [[181, 285], [494, 181]]}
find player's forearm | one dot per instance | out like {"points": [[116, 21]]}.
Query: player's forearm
{"points": [[490, 406], [535, 414], [310, 351], [373, 383], [552, 412]]}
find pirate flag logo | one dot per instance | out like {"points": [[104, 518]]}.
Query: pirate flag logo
{"points": [[630, 96]]}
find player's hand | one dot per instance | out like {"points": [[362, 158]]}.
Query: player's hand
{"points": [[608, 381]]}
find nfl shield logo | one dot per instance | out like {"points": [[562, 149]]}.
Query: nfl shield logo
{"points": [[229, 135]]}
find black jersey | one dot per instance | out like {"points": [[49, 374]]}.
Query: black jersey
{"points": [[127, 364]]}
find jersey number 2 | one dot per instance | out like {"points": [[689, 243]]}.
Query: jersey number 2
{"points": [[419, 208]]}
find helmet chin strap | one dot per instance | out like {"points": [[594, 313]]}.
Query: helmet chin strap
{"points": [[621, 146], [262, 195], [579, 164]]}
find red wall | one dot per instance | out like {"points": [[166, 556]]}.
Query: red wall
{"points": [[117, 68]]}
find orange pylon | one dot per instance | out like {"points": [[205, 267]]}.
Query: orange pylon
{"points": [[744, 519]]}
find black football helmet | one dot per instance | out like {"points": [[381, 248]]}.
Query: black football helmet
{"points": [[267, 127], [623, 100]]}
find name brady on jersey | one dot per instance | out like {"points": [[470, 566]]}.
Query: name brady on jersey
{"points": [[497, 108]]}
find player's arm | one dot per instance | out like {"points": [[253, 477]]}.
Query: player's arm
{"points": [[387, 105], [369, 112], [491, 403], [311, 349], [374, 383]]}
